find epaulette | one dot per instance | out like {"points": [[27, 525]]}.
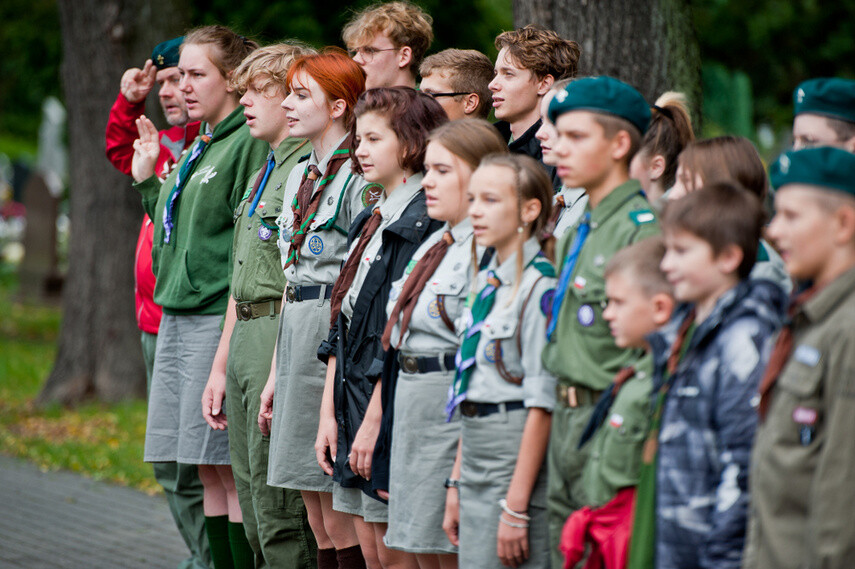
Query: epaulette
{"points": [[304, 157], [642, 216]]}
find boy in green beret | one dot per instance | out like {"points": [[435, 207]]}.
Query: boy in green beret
{"points": [[824, 112], [803, 460], [600, 122]]}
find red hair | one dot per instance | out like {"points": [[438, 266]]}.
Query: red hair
{"points": [[338, 75]]}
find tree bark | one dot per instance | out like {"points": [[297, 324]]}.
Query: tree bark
{"points": [[99, 352], [650, 44]]}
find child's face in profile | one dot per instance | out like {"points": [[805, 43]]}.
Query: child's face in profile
{"points": [[583, 153], [697, 274], [630, 312]]}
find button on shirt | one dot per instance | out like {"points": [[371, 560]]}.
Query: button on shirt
{"points": [[504, 327], [391, 208], [325, 244], [427, 333]]}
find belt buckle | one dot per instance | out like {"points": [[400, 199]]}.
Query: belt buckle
{"points": [[410, 364], [567, 395], [245, 311], [291, 294], [468, 409]]}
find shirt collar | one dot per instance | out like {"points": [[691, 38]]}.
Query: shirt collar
{"points": [[288, 148], [507, 271], [818, 307], [613, 202], [322, 164], [402, 195], [461, 231]]}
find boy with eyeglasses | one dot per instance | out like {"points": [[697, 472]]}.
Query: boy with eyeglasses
{"points": [[459, 80]]}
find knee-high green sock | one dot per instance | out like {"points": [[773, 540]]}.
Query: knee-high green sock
{"points": [[242, 553], [217, 528]]}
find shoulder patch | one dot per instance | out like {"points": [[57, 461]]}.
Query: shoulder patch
{"points": [[371, 194], [546, 302], [642, 216]]}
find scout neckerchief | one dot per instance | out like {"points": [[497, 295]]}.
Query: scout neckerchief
{"points": [[642, 544], [781, 353], [567, 271], [348, 272], [465, 359], [260, 184], [601, 410], [306, 203], [560, 203], [180, 182], [413, 287]]}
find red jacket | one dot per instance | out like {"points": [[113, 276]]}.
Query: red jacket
{"points": [[607, 529], [121, 133]]}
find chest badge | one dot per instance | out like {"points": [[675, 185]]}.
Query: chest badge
{"points": [[371, 194], [264, 233], [316, 245], [490, 352], [585, 315], [433, 309]]}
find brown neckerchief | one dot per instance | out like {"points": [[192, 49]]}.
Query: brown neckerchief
{"points": [[651, 445], [781, 352], [413, 287], [306, 203], [348, 273]]}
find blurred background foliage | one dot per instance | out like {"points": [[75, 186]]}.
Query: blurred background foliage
{"points": [[754, 51]]}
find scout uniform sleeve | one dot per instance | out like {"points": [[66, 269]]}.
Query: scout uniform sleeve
{"points": [[538, 384], [122, 132], [744, 354], [831, 537]]}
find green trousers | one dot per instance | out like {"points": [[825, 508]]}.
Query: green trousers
{"points": [[565, 462], [182, 488], [274, 518]]}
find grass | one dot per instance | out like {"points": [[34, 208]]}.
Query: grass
{"points": [[103, 442]]}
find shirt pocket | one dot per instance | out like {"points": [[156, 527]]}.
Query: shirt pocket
{"points": [[590, 304], [500, 348], [798, 415], [449, 294], [327, 211]]}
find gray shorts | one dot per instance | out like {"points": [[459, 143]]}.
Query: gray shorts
{"points": [[176, 430], [355, 501]]}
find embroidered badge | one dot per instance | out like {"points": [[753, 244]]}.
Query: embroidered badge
{"points": [[585, 315], [579, 282], [316, 245], [805, 415], [616, 421], [490, 352], [546, 302], [599, 261], [807, 355], [371, 194], [800, 96], [784, 164], [207, 174], [285, 234], [264, 233], [433, 309], [410, 266]]}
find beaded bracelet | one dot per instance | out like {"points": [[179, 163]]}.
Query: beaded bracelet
{"points": [[512, 524], [503, 503]]}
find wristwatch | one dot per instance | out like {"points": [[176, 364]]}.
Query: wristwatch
{"points": [[452, 483]]}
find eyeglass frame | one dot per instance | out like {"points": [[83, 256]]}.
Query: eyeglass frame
{"points": [[368, 52], [452, 94]]}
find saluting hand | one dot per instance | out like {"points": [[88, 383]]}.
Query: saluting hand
{"points": [[137, 83], [146, 150]]}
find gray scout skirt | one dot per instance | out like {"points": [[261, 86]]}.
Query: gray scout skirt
{"points": [[355, 501], [300, 379], [490, 446], [423, 451], [175, 429]]}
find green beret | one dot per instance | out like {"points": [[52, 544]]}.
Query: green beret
{"points": [[602, 95], [166, 54], [830, 97], [826, 167]]}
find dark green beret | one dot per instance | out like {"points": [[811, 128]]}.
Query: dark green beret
{"points": [[825, 167], [166, 54], [830, 97], [602, 95]]}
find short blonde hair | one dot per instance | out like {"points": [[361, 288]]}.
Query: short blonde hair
{"points": [[270, 65], [228, 49], [468, 71], [406, 25]]}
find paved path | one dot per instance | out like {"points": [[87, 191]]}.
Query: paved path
{"points": [[62, 520]]}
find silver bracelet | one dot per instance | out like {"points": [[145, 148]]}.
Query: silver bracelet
{"points": [[503, 503], [512, 524]]}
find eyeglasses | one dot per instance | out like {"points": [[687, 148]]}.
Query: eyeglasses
{"points": [[438, 95], [368, 52]]}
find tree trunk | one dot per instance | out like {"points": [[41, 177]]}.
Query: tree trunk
{"points": [[99, 346], [650, 44]]}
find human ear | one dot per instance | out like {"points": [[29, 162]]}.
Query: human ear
{"points": [[470, 103], [621, 143], [544, 85], [844, 218], [663, 307], [405, 56], [337, 108], [656, 166], [729, 258], [530, 210]]}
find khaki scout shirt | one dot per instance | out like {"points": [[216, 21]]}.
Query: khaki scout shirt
{"points": [[257, 274], [582, 350], [803, 467]]}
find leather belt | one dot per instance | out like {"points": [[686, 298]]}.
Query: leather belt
{"points": [[416, 364], [252, 310], [576, 395], [472, 409], [299, 293]]}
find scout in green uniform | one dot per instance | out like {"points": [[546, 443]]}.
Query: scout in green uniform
{"points": [[194, 229], [803, 460], [824, 112], [600, 122], [640, 300], [274, 520]]}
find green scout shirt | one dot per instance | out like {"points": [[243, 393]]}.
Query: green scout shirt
{"points": [[582, 350], [256, 272], [804, 457], [615, 449], [193, 270]]}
